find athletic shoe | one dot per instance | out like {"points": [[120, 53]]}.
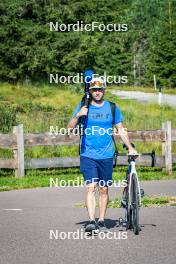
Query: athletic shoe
{"points": [[92, 227]]}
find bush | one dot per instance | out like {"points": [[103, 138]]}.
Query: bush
{"points": [[7, 118]]}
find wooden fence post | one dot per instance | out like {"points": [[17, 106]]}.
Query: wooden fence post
{"points": [[167, 147], [19, 151]]}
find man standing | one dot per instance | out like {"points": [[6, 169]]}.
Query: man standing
{"points": [[97, 150]]}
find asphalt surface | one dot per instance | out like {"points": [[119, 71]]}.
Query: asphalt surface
{"points": [[147, 97], [27, 235]]}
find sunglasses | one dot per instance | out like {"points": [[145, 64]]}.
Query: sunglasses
{"points": [[97, 89]]}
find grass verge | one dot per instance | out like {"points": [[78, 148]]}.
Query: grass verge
{"points": [[147, 201], [72, 176]]}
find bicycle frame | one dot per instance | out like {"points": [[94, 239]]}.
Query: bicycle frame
{"points": [[132, 170]]}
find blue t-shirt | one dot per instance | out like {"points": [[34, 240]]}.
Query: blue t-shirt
{"points": [[97, 140]]}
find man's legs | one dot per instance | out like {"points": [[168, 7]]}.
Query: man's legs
{"points": [[91, 200], [88, 167], [103, 201], [96, 170], [92, 227]]}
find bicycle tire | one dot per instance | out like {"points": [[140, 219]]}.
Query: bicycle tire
{"points": [[128, 208], [135, 205], [129, 218]]}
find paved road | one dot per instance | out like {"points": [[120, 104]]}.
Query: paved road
{"points": [[146, 97], [25, 233]]}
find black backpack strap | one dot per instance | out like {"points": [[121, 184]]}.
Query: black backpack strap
{"points": [[113, 107], [116, 153], [80, 130]]}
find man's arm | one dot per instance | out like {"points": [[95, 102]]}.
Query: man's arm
{"points": [[74, 121], [124, 136]]}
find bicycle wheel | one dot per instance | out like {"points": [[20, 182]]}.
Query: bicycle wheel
{"points": [[128, 208], [135, 205], [129, 217]]}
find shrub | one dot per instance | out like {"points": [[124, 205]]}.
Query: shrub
{"points": [[7, 118]]}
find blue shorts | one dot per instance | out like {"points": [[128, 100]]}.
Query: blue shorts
{"points": [[99, 171]]}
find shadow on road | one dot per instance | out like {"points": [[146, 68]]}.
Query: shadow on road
{"points": [[110, 223]]}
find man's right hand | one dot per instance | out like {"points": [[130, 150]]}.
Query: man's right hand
{"points": [[82, 112], [132, 151]]}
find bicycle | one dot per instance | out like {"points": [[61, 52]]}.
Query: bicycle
{"points": [[131, 199]]}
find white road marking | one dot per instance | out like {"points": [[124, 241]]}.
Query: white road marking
{"points": [[14, 209]]}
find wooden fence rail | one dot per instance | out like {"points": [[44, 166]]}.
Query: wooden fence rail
{"points": [[17, 141]]}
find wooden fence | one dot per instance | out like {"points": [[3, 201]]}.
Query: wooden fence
{"points": [[17, 141]]}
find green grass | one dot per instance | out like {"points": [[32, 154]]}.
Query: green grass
{"points": [[147, 201], [53, 105], [39, 107], [41, 178]]}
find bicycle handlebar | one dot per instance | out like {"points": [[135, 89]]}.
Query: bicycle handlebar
{"points": [[134, 155]]}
